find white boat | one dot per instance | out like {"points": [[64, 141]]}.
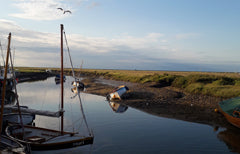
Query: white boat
{"points": [[117, 93], [47, 139], [78, 84]]}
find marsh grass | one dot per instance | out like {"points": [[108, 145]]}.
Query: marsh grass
{"points": [[219, 84]]}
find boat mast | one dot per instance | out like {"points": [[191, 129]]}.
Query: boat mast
{"points": [[62, 78], [4, 82]]}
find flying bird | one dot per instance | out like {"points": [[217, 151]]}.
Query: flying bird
{"points": [[64, 11], [67, 11]]}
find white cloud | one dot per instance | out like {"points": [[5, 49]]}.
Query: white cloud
{"points": [[42, 49], [40, 9], [150, 45]]}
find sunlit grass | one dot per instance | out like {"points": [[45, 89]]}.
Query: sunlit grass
{"points": [[219, 84]]}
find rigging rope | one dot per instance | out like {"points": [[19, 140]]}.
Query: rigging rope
{"points": [[18, 105], [75, 79], [2, 54]]}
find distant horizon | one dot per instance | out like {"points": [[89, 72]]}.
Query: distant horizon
{"points": [[127, 69]]}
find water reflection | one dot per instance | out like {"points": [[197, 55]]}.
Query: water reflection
{"points": [[232, 138], [162, 133], [118, 108]]}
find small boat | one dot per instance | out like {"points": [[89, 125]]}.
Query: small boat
{"points": [[78, 84], [231, 110], [40, 138], [57, 77], [117, 93]]}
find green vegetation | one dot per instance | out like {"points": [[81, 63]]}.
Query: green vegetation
{"points": [[215, 84], [30, 69], [208, 83]]}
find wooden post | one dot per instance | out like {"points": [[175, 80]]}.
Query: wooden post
{"points": [[4, 83]]}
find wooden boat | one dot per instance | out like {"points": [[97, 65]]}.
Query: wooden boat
{"points": [[231, 110], [7, 145], [117, 93], [46, 139]]}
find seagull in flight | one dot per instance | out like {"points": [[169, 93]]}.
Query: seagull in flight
{"points": [[67, 11], [64, 11]]}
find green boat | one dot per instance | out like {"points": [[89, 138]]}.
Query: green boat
{"points": [[231, 110]]}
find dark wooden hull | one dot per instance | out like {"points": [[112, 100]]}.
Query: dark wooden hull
{"points": [[73, 139], [62, 145]]}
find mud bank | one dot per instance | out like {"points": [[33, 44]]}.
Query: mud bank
{"points": [[166, 101], [32, 76]]}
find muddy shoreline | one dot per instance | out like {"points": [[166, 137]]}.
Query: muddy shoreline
{"points": [[166, 101], [151, 98], [32, 76]]}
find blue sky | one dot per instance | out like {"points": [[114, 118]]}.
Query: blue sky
{"points": [[181, 35]]}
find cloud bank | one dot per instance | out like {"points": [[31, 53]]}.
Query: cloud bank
{"points": [[153, 51]]}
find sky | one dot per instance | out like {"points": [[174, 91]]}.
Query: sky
{"points": [[175, 35]]}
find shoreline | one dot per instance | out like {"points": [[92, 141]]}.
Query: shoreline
{"points": [[168, 102]]}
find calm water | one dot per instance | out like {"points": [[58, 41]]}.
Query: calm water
{"points": [[128, 131]]}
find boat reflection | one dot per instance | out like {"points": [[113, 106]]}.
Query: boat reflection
{"points": [[232, 138], [118, 108]]}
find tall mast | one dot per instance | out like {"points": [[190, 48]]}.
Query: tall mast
{"points": [[62, 78], [4, 82]]}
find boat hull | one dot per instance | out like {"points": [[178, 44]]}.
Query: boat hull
{"points": [[230, 109], [233, 120], [41, 139], [62, 145]]}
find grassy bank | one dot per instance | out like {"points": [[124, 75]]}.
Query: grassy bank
{"points": [[208, 83]]}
